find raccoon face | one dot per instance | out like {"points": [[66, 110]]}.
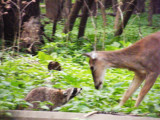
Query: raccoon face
{"points": [[71, 93]]}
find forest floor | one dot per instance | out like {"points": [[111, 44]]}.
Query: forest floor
{"points": [[21, 72]]}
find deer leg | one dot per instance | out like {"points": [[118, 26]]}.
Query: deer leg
{"points": [[150, 80], [137, 81]]}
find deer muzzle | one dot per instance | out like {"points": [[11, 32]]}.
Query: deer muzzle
{"points": [[99, 85]]}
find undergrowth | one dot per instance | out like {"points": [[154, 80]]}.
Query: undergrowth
{"points": [[19, 72]]}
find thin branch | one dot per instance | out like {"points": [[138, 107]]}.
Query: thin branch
{"points": [[104, 21], [9, 48], [20, 12], [48, 38], [94, 25], [30, 47], [14, 4], [26, 6], [118, 14]]}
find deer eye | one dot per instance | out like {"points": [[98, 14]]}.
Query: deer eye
{"points": [[92, 68]]}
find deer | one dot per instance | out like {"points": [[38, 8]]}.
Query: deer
{"points": [[142, 57]]}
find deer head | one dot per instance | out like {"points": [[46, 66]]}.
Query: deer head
{"points": [[98, 67]]}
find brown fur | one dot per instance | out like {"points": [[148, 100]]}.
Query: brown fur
{"points": [[143, 58], [54, 66], [56, 96]]}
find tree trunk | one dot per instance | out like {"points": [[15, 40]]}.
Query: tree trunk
{"points": [[150, 14], [30, 36], [114, 5], [88, 5], [128, 12], [2, 43], [118, 13], [156, 6], [54, 27], [67, 8], [1, 22], [103, 12], [32, 10], [9, 22], [104, 21], [31, 28], [141, 6], [94, 8], [108, 3], [54, 11], [58, 16], [15, 15], [54, 8], [72, 16]]}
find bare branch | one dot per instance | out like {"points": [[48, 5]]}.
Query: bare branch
{"points": [[26, 6], [94, 25]]}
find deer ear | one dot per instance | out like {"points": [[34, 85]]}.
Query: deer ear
{"points": [[92, 55]]}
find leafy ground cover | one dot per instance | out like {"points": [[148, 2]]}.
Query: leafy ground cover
{"points": [[19, 73]]}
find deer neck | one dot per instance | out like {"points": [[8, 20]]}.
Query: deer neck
{"points": [[119, 59]]}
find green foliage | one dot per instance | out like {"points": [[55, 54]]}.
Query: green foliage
{"points": [[21, 73]]}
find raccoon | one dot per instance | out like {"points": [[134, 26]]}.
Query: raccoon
{"points": [[56, 96]]}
